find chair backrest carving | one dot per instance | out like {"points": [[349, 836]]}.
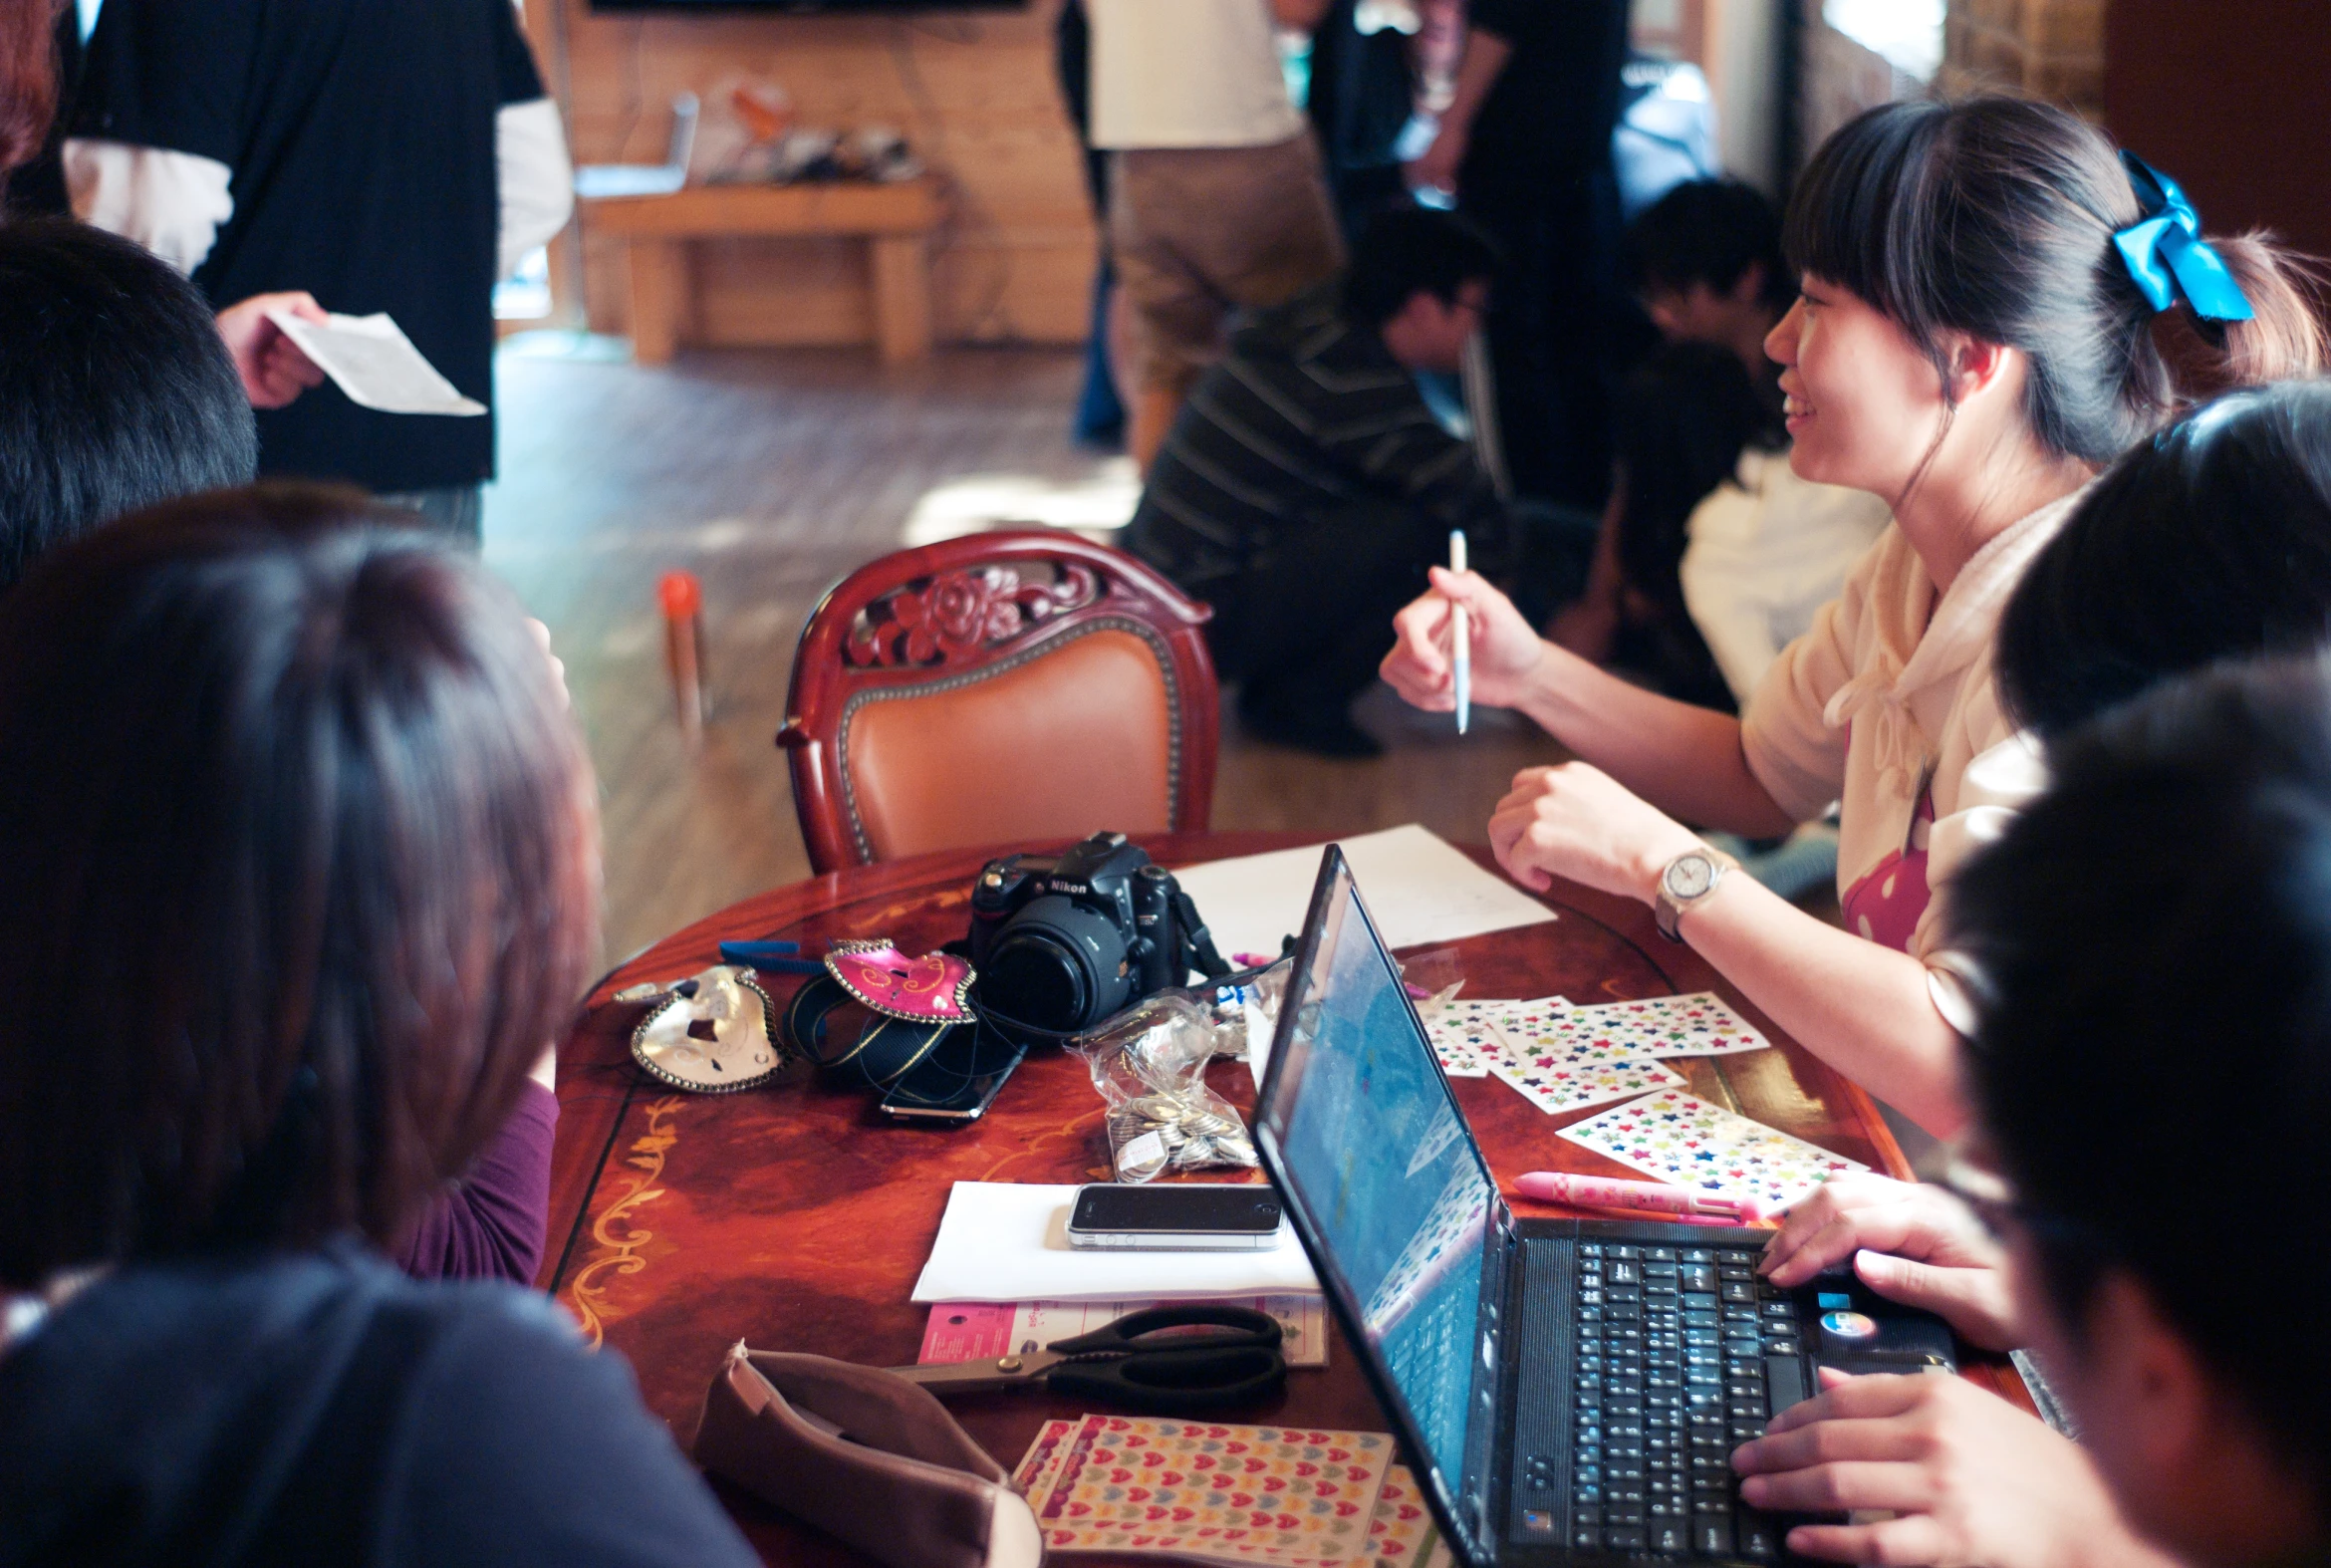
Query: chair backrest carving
{"points": [[998, 687], [963, 617]]}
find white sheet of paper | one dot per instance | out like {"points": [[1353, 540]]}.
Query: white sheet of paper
{"points": [[373, 362], [1419, 888], [1008, 1242]]}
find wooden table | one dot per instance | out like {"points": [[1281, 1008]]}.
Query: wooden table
{"points": [[895, 220], [797, 1216]]}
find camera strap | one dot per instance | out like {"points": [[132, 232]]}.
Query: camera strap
{"points": [[887, 1049], [1201, 940]]}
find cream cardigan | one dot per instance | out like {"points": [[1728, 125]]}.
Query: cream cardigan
{"points": [[1890, 692]]}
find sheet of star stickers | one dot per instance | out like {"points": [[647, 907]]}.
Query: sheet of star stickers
{"points": [[1676, 1138], [1661, 1026], [1401, 1533], [1209, 1492], [1554, 1084], [1470, 1035]]}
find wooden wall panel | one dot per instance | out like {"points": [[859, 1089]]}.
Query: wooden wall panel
{"points": [[974, 93], [2232, 100]]}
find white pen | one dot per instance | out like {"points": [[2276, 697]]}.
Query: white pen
{"points": [[1461, 641]]}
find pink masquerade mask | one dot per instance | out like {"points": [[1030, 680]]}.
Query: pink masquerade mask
{"points": [[928, 989]]}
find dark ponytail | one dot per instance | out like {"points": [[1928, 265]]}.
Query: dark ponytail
{"points": [[1995, 217]]}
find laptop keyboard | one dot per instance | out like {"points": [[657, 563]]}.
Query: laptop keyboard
{"points": [[1682, 1356]]}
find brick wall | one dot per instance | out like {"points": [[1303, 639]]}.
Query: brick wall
{"points": [[2050, 49], [1841, 79]]}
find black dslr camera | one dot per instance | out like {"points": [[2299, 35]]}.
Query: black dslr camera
{"points": [[1061, 944]]}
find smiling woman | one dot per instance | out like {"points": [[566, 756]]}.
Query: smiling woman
{"points": [[1993, 306]]}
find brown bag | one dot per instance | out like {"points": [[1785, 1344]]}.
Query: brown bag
{"points": [[866, 1456]]}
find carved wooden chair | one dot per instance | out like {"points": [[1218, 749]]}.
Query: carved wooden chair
{"points": [[999, 687]]}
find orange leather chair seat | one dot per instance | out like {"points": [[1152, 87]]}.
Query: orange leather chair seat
{"points": [[1077, 735]]}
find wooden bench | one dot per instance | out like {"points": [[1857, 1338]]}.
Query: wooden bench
{"points": [[895, 220]]}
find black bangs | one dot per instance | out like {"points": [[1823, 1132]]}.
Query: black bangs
{"points": [[1867, 212]]}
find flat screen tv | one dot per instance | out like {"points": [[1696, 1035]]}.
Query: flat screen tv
{"points": [[811, 7]]}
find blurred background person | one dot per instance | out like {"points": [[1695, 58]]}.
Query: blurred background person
{"points": [[1713, 554], [40, 52], [1706, 262], [385, 157], [1306, 485], [1364, 83], [34, 39], [1525, 144], [1102, 399], [1217, 197]]}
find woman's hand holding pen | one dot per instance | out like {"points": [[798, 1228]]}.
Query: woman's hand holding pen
{"points": [[1506, 651]]}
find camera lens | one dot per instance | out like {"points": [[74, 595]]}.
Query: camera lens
{"points": [[1058, 965]]}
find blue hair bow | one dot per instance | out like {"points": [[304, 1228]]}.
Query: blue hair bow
{"points": [[2166, 253]]}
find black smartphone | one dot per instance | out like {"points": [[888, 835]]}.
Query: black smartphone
{"points": [[1183, 1218]]}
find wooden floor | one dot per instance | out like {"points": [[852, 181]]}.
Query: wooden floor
{"points": [[771, 474]]}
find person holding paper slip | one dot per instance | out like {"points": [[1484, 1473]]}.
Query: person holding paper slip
{"points": [[388, 158], [1952, 350], [33, 33]]}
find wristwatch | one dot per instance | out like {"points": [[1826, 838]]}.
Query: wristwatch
{"points": [[1689, 878]]}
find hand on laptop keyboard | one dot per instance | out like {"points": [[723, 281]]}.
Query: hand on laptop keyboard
{"points": [[1972, 1478], [1924, 1248]]}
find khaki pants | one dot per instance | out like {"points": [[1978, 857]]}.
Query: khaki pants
{"points": [[1196, 232]]}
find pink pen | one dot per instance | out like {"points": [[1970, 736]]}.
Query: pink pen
{"points": [[1558, 1186], [1665, 1220]]}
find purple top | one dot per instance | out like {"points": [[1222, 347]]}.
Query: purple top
{"points": [[492, 1225]]}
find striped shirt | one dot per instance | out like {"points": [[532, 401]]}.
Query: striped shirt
{"points": [[1306, 415]]}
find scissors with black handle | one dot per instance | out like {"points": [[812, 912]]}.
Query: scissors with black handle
{"points": [[1216, 1357]]}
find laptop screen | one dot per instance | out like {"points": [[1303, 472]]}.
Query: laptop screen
{"points": [[1374, 1156]]}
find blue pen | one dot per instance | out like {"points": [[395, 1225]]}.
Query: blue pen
{"points": [[770, 958], [1460, 639]]}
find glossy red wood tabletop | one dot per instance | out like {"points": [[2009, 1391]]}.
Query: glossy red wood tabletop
{"points": [[796, 1217]]}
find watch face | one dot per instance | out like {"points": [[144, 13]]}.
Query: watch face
{"points": [[1690, 875]]}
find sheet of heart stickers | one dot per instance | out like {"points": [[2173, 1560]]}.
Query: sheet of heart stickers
{"points": [[1226, 1495], [1560, 1057]]}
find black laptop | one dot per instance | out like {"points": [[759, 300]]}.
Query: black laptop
{"points": [[1568, 1389]]}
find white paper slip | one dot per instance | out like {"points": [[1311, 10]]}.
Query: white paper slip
{"points": [[1418, 888], [1008, 1242], [371, 359]]}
